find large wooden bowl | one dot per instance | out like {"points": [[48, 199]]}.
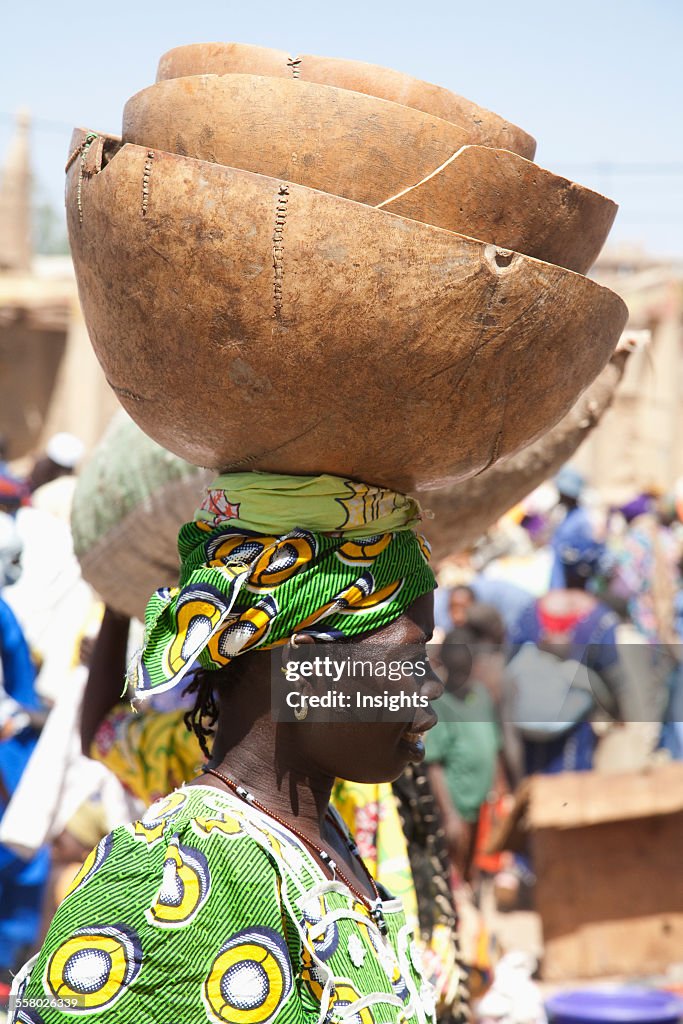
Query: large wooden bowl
{"points": [[132, 497], [247, 322], [466, 511], [486, 128], [375, 152]]}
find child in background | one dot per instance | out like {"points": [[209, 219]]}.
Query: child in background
{"points": [[462, 750]]}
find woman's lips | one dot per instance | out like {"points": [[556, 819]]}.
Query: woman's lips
{"points": [[412, 739]]}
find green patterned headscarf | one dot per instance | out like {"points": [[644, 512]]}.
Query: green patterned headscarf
{"points": [[268, 556]]}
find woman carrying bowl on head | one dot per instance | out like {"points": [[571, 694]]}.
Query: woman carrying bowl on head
{"points": [[240, 897]]}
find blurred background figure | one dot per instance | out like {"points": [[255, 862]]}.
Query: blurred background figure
{"points": [[574, 542], [463, 748], [567, 625], [63, 453], [644, 585], [460, 600], [51, 600], [509, 599], [22, 715], [14, 492], [646, 574], [10, 551], [53, 478]]}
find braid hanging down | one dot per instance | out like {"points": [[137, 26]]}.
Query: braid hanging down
{"points": [[431, 868], [202, 717]]}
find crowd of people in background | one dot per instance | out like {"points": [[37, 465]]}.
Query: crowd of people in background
{"points": [[557, 640], [560, 651]]}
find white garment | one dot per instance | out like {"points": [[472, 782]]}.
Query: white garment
{"points": [[59, 778], [513, 997], [51, 600]]}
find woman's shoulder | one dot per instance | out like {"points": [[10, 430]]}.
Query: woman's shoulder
{"points": [[181, 836], [191, 853], [187, 892]]}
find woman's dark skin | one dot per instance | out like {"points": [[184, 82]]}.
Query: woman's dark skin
{"points": [[291, 767], [106, 677]]}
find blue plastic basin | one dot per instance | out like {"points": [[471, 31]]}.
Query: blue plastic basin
{"points": [[615, 1006]]}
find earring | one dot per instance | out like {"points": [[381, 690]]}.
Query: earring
{"points": [[301, 713]]}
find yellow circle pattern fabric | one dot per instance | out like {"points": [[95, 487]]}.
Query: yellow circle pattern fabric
{"points": [[185, 887], [250, 978], [207, 911], [93, 967]]}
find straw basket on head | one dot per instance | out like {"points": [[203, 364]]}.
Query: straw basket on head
{"points": [[130, 501]]}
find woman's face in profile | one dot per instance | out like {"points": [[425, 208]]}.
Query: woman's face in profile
{"points": [[345, 744]]}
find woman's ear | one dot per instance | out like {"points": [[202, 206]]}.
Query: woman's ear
{"points": [[302, 640], [290, 658]]}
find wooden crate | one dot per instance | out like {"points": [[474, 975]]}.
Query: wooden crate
{"points": [[607, 853]]}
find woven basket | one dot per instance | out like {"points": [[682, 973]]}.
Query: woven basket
{"points": [[130, 501]]}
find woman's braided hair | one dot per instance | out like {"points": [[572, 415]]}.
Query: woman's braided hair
{"points": [[431, 869], [202, 717], [205, 683]]}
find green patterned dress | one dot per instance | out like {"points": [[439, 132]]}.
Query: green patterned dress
{"points": [[206, 910]]}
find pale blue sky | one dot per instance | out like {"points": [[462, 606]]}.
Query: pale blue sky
{"points": [[599, 84]]}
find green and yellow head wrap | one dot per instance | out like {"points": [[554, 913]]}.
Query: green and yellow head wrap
{"points": [[268, 556]]}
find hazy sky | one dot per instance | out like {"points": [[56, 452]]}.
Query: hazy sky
{"points": [[599, 83]]}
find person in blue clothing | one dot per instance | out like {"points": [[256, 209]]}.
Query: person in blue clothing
{"points": [[21, 716], [572, 624], [574, 543]]}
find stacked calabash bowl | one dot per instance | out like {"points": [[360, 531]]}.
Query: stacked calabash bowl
{"points": [[316, 265]]}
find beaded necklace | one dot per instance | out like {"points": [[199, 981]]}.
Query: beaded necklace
{"points": [[375, 906]]}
